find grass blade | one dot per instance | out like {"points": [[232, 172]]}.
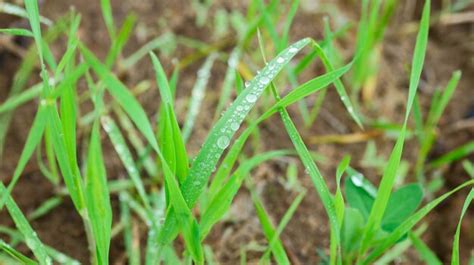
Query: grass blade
{"points": [[455, 253], [390, 172], [97, 197]]}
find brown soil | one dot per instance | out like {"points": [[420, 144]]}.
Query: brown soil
{"points": [[450, 48]]}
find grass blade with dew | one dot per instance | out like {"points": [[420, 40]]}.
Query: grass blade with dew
{"points": [[275, 245], [171, 140], [197, 95], [125, 156], [409, 223], [455, 251], [32, 141], [6, 248], [390, 172], [220, 200], [220, 136], [31, 238], [295, 95], [97, 199], [423, 250]]}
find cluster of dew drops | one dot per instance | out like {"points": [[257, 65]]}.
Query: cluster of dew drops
{"points": [[252, 92]]}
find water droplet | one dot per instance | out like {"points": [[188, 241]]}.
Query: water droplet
{"points": [[223, 142], [280, 60], [247, 83], [251, 98], [239, 108], [264, 80], [357, 180], [234, 126], [293, 50]]}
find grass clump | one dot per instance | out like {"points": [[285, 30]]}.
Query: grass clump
{"points": [[188, 195]]}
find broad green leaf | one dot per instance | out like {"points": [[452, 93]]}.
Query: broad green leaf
{"points": [[402, 203]]}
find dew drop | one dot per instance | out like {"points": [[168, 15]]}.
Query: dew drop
{"points": [[234, 126], [280, 60], [264, 80], [357, 180], [293, 50], [251, 98], [223, 142]]}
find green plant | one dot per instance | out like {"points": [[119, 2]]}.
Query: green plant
{"points": [[364, 224]]}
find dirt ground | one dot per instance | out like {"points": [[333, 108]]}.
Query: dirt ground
{"points": [[450, 48]]}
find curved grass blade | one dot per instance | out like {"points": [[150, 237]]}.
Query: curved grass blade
{"points": [[409, 223], [295, 95], [455, 253], [31, 238], [390, 172]]}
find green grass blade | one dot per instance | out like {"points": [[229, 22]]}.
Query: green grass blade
{"points": [[453, 155], [125, 156], [455, 252], [4, 247], [220, 200], [123, 96], [424, 251], [97, 197], [197, 96], [275, 245], [17, 32], [32, 141], [31, 238], [106, 9], [173, 148], [390, 172]]}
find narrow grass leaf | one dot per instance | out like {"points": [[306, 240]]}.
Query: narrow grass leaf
{"points": [[455, 252], [97, 197], [6, 248], [426, 254], [31, 238], [17, 32], [390, 172]]}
